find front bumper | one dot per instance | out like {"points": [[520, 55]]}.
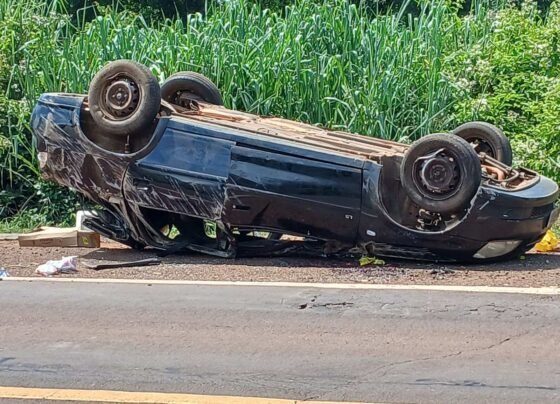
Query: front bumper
{"points": [[521, 217]]}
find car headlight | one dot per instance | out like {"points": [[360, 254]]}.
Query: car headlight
{"points": [[497, 248]]}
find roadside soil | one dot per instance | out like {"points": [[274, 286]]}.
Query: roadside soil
{"points": [[535, 270]]}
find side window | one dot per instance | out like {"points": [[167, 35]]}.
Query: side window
{"points": [[188, 153]]}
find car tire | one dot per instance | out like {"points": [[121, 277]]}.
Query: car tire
{"points": [[441, 173], [124, 98], [488, 139], [190, 82]]}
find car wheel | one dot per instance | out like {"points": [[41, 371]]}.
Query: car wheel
{"points": [[181, 86], [124, 98], [486, 138], [441, 173]]}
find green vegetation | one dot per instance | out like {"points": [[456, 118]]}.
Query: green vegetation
{"points": [[392, 75], [513, 80]]}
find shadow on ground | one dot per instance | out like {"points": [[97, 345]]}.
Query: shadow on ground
{"points": [[529, 262]]}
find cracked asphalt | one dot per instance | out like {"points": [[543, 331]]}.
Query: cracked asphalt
{"points": [[297, 343]]}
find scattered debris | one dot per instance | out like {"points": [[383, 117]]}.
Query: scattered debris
{"points": [[441, 271], [3, 273], [60, 237], [126, 264], [81, 215], [548, 243], [371, 261], [67, 265]]}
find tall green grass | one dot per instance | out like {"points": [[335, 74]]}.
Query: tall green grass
{"points": [[331, 64]]}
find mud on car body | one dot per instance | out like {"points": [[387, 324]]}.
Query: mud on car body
{"points": [[174, 170]]}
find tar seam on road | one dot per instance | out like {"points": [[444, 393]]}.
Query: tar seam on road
{"points": [[552, 290], [109, 396]]}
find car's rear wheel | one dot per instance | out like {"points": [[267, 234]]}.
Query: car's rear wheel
{"points": [[124, 98], [182, 86], [486, 138], [441, 173]]}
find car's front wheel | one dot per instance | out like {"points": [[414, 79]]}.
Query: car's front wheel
{"points": [[124, 98], [441, 173]]}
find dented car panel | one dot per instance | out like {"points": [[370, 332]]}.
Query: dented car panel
{"points": [[327, 193]]}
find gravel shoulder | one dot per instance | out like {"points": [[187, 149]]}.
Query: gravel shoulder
{"points": [[535, 270]]}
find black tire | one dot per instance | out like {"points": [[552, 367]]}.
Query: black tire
{"points": [[488, 139], [441, 173], [190, 82], [138, 101]]}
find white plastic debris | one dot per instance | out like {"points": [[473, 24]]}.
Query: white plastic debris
{"points": [[80, 216], [3, 273], [66, 265]]}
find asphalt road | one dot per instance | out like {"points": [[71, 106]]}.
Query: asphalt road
{"points": [[297, 343]]}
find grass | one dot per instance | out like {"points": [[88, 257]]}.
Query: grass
{"points": [[328, 64], [22, 223]]}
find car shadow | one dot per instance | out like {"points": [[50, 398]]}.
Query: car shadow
{"points": [[529, 262]]}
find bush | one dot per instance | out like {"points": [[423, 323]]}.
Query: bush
{"points": [[157, 9], [86, 9], [24, 28], [512, 78]]}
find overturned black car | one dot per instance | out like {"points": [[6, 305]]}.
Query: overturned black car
{"points": [[174, 170]]}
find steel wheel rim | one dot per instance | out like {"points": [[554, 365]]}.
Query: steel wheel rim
{"points": [[437, 175], [121, 97]]}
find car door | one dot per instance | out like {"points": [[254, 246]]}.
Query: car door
{"points": [[293, 194], [185, 173]]}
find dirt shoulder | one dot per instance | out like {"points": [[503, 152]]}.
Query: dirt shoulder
{"points": [[535, 270]]}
